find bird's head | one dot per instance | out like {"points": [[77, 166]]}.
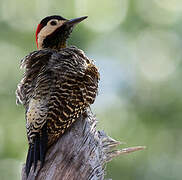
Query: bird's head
{"points": [[53, 31]]}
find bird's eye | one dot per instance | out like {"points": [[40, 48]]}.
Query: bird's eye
{"points": [[53, 23]]}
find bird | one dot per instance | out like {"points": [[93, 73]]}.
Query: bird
{"points": [[58, 86]]}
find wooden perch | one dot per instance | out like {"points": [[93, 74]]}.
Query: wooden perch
{"points": [[80, 154]]}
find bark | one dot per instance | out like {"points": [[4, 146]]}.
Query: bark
{"points": [[80, 154]]}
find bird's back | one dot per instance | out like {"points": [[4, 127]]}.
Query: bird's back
{"points": [[56, 89]]}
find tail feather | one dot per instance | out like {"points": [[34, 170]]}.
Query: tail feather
{"points": [[43, 144], [37, 151], [29, 160]]}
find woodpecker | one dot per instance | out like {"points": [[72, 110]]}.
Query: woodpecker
{"points": [[58, 86]]}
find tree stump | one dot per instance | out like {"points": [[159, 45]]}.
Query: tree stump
{"points": [[80, 154]]}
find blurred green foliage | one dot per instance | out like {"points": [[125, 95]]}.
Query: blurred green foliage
{"points": [[137, 46]]}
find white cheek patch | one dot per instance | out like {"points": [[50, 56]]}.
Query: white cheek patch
{"points": [[47, 30]]}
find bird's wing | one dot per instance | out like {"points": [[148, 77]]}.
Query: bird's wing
{"points": [[75, 88]]}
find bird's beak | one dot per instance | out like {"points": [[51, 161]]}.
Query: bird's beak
{"points": [[73, 22]]}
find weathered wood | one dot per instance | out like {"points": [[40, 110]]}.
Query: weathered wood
{"points": [[80, 154]]}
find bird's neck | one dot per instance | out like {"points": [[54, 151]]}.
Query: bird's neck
{"points": [[61, 45], [56, 43], [58, 46]]}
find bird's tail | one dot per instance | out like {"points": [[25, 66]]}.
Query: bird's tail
{"points": [[37, 150]]}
